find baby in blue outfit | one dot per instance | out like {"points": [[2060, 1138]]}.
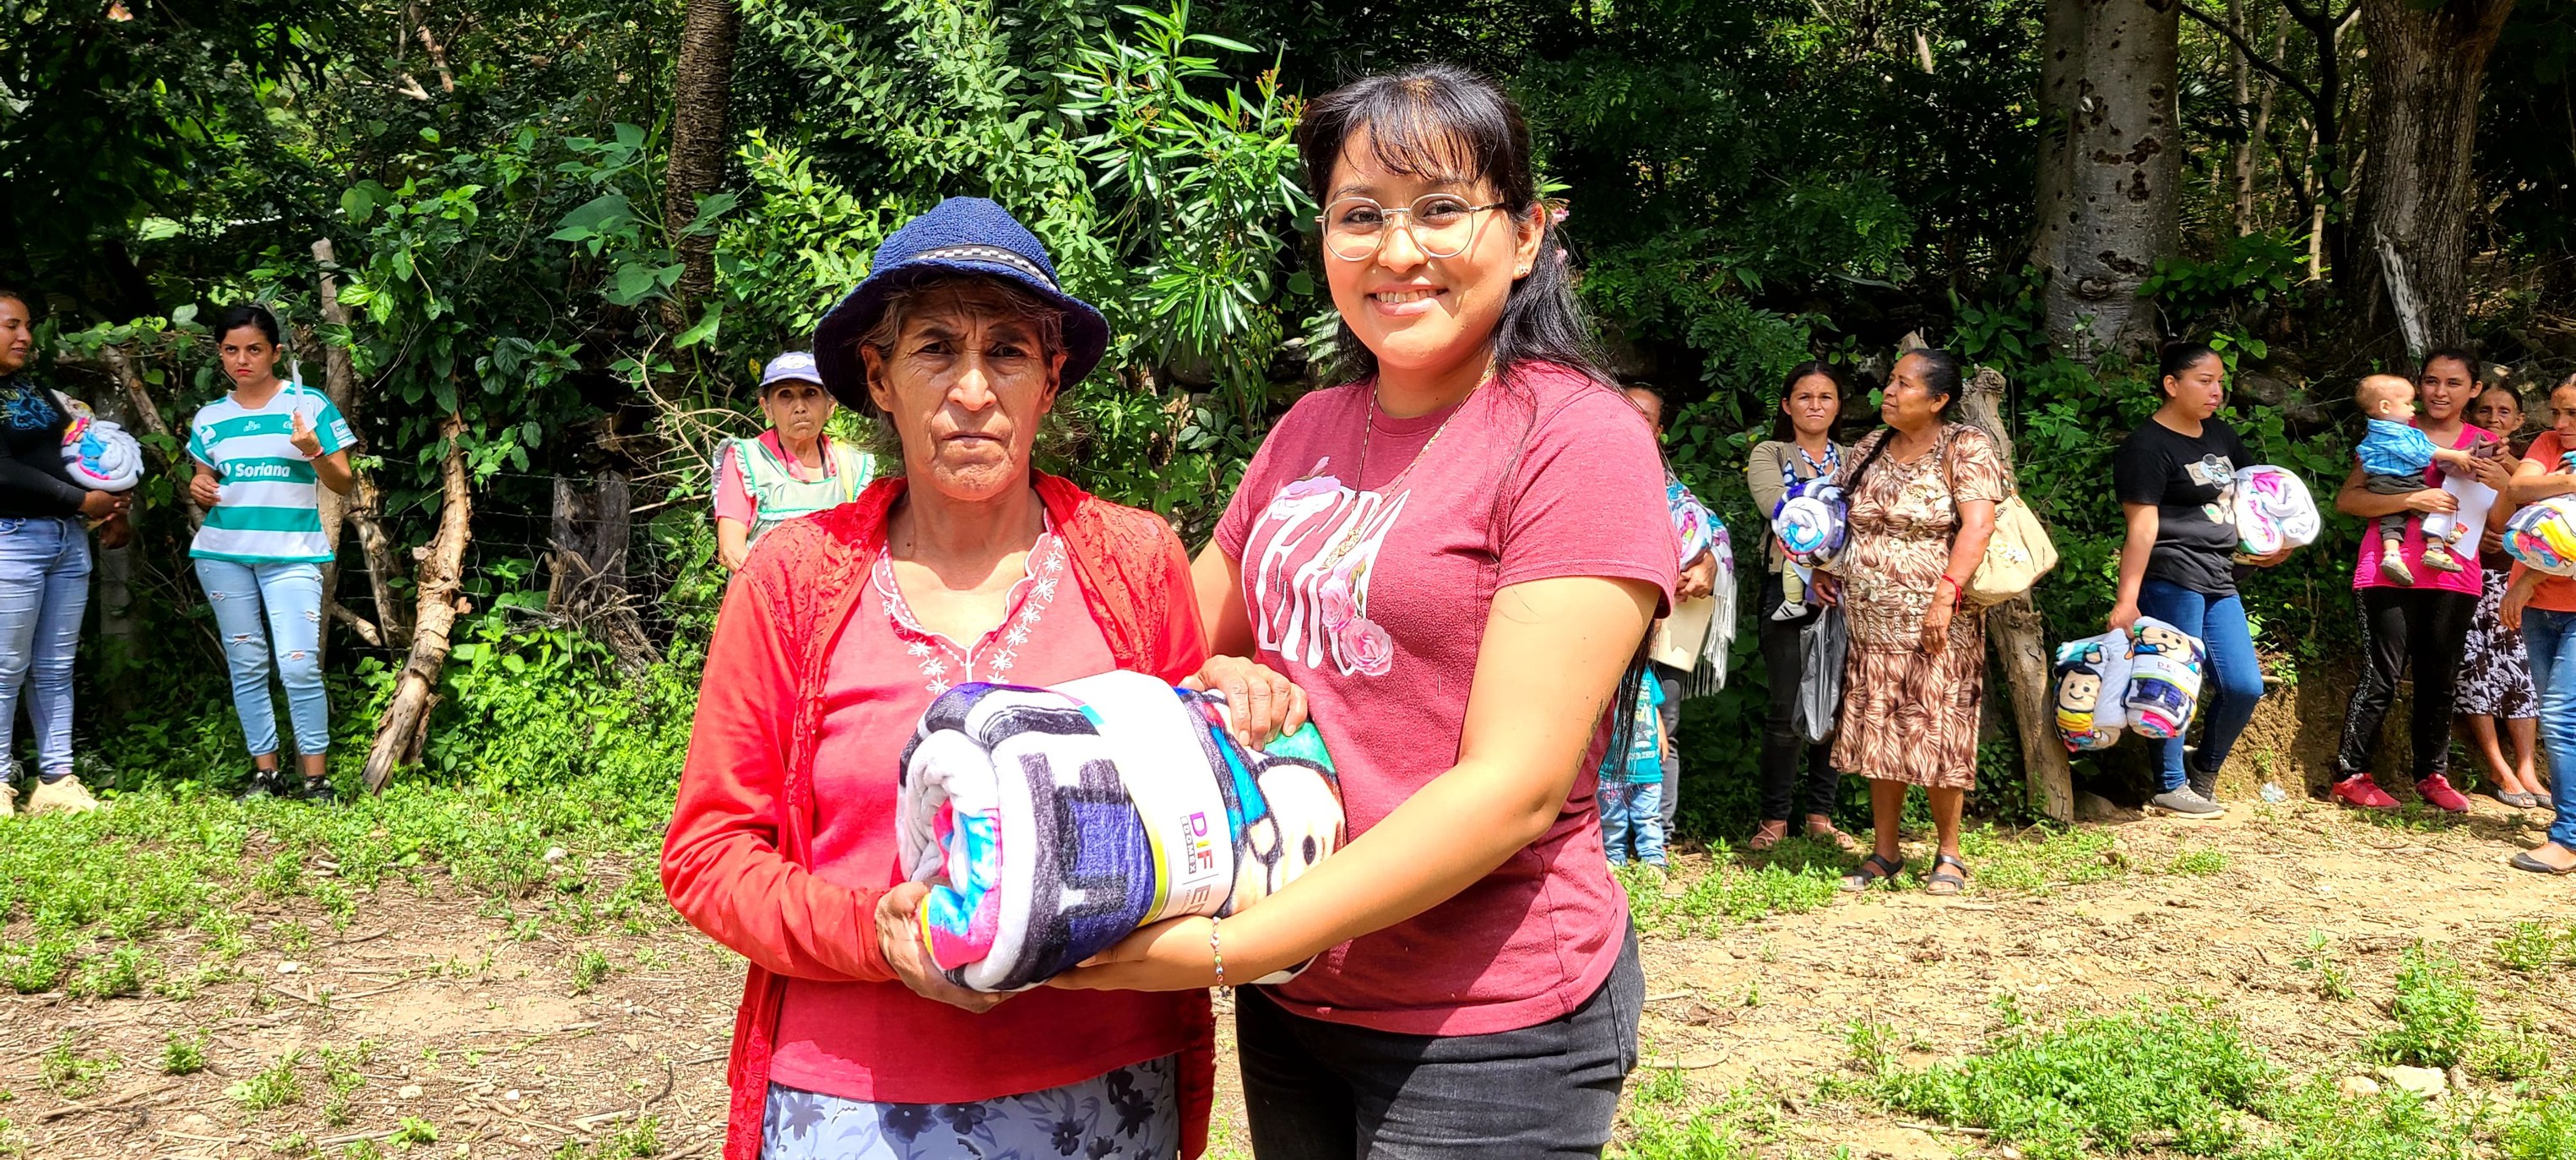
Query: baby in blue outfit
{"points": [[2394, 456]]}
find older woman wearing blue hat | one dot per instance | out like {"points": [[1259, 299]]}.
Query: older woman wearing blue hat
{"points": [[790, 470], [963, 564]]}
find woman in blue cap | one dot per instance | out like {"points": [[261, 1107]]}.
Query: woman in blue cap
{"points": [[963, 564], [792, 469]]}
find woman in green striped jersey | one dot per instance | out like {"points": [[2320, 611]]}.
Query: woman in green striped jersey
{"points": [[263, 453]]}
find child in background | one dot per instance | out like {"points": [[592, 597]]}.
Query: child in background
{"points": [[1632, 784], [2394, 456]]}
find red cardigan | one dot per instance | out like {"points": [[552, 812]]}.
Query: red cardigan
{"points": [[735, 862]]}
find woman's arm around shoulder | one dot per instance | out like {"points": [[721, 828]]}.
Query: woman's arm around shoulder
{"points": [[723, 862]]}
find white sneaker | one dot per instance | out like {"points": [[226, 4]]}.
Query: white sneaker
{"points": [[1789, 610], [62, 795]]}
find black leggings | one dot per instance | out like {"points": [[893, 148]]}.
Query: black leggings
{"points": [[1787, 796], [2428, 628]]}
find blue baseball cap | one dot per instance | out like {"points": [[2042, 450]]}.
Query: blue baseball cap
{"points": [[962, 235], [795, 366]]}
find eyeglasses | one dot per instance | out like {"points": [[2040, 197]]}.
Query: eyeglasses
{"points": [[1442, 225]]}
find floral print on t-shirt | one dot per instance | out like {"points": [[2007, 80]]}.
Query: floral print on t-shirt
{"points": [[1308, 561]]}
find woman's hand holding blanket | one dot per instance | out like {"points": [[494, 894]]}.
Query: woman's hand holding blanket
{"points": [[899, 939], [1261, 706]]}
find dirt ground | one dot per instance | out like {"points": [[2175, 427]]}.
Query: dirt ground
{"points": [[487, 1038]]}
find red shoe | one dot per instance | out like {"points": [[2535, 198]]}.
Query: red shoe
{"points": [[2359, 790], [2437, 792]]}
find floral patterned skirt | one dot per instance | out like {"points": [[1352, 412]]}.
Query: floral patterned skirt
{"points": [[2495, 676], [1132, 1113]]}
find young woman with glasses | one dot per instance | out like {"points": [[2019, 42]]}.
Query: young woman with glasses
{"points": [[1455, 556]]}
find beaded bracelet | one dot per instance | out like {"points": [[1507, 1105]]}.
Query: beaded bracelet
{"points": [[1216, 950]]}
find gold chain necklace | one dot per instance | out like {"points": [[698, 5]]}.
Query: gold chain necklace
{"points": [[1359, 482]]}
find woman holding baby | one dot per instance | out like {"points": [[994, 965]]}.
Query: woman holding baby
{"points": [[2417, 596]]}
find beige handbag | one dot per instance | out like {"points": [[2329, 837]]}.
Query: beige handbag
{"points": [[2017, 555]]}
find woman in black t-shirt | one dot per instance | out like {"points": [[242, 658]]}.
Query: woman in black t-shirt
{"points": [[2175, 477]]}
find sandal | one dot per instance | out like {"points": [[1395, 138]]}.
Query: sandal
{"points": [[1840, 840], [1942, 881], [2522, 860], [1765, 838], [2520, 801], [1861, 879]]}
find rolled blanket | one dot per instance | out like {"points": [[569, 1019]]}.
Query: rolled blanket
{"points": [[2274, 510], [1053, 822], [2543, 536], [2164, 678], [2092, 680], [98, 454], [1810, 521]]}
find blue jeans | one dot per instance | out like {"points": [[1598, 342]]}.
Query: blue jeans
{"points": [[2549, 640], [2235, 674], [1633, 811], [290, 596], [44, 588]]}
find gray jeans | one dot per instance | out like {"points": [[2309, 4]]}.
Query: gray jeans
{"points": [[1329, 1091]]}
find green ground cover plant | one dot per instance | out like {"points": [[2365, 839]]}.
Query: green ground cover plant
{"points": [[2436, 1014]]}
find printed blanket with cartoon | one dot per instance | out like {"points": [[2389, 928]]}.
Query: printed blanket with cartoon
{"points": [[1052, 822]]}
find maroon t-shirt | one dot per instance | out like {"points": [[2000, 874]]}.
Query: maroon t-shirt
{"points": [[1374, 601]]}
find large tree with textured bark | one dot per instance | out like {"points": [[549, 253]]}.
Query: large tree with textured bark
{"points": [[701, 94], [2419, 185], [2110, 168]]}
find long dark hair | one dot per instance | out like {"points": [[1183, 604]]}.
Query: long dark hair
{"points": [[1833, 373], [249, 314], [1941, 377], [1442, 121]]}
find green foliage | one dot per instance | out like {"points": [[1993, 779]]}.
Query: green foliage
{"points": [[74, 1074], [2199, 863], [2436, 1014], [274, 1086], [184, 1054], [589, 967], [1727, 894], [2542, 1127], [2532, 947], [2111, 1083], [1732, 1128]]}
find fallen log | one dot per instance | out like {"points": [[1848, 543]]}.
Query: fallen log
{"points": [[406, 718]]}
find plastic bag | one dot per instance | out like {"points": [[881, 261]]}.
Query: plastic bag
{"points": [[1822, 644]]}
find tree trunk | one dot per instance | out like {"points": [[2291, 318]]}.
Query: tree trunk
{"points": [[2419, 190], [588, 562], [339, 383], [700, 94], [2013, 627], [2122, 172], [112, 584], [181, 472], [2061, 42], [406, 717]]}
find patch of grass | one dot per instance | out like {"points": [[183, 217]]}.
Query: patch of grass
{"points": [[340, 1071], [2518, 1054], [2542, 1128], [2436, 1014], [1732, 1128], [1730, 893], [362, 1150], [75, 1075], [2313, 1121], [273, 1087], [588, 969], [2531, 947], [2198, 862], [293, 1145], [2120, 1083], [2040, 859], [184, 1055], [2333, 983], [414, 1130], [34, 967], [634, 1142], [116, 973]]}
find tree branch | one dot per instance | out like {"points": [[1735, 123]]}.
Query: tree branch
{"points": [[2258, 60]]}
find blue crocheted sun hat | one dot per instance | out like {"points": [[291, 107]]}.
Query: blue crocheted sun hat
{"points": [[962, 235]]}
